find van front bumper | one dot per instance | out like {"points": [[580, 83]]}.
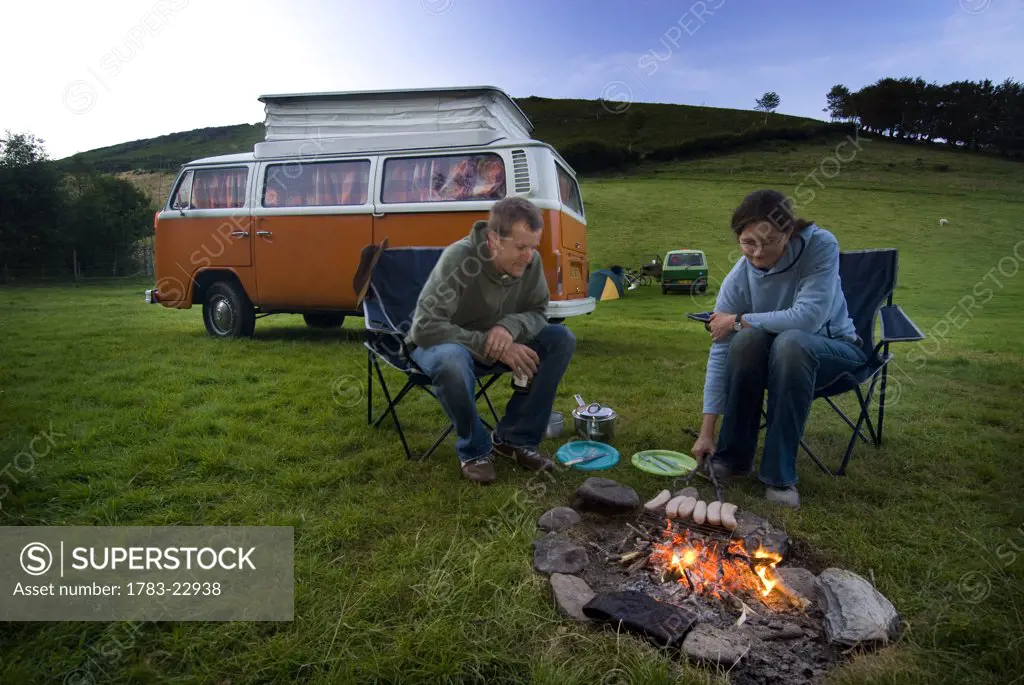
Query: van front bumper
{"points": [[563, 309]]}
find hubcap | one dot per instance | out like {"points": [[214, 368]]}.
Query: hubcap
{"points": [[223, 315]]}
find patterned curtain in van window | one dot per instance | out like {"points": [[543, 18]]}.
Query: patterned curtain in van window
{"points": [[219, 189]]}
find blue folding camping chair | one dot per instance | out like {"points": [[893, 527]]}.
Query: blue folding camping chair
{"points": [[868, 279], [395, 282]]}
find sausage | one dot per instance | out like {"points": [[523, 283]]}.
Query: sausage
{"points": [[686, 507], [659, 501], [700, 512], [729, 516], [670, 508], [715, 513]]}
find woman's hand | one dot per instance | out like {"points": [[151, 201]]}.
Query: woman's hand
{"points": [[704, 447], [720, 324]]}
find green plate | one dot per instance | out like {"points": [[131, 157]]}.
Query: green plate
{"points": [[664, 462]]}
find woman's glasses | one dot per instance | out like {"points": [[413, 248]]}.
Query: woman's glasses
{"points": [[752, 245]]}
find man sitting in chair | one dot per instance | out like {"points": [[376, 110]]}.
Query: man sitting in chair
{"points": [[780, 324], [485, 302]]}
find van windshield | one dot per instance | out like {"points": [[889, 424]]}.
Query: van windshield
{"points": [[685, 260]]}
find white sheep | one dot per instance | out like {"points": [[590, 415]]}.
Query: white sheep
{"points": [[943, 222]]}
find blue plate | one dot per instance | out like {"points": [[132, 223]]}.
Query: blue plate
{"points": [[607, 456]]}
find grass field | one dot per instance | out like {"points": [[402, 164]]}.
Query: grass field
{"points": [[407, 573]]}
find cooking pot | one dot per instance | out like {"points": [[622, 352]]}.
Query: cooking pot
{"points": [[594, 422]]}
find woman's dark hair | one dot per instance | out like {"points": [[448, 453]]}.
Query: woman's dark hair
{"points": [[767, 205]]}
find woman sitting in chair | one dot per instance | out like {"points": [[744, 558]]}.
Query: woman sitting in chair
{"points": [[780, 324]]}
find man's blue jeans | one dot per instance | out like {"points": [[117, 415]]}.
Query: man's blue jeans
{"points": [[451, 370], [790, 366]]}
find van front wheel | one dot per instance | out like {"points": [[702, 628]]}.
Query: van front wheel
{"points": [[228, 312]]}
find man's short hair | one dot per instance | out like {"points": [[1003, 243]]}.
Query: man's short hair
{"points": [[510, 211]]}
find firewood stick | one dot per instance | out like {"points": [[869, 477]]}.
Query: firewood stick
{"points": [[645, 535], [639, 564]]}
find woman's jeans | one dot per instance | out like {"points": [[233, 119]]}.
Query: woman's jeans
{"points": [[790, 366], [451, 369]]}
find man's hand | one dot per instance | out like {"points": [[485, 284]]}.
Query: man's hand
{"points": [[720, 324], [498, 341], [521, 359], [703, 448]]}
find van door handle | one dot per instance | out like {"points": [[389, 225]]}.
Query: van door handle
{"points": [[240, 234], [378, 215], [264, 233]]}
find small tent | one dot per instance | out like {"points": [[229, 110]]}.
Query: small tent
{"points": [[605, 284]]}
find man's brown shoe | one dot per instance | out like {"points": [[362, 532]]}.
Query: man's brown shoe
{"points": [[479, 471], [526, 457]]}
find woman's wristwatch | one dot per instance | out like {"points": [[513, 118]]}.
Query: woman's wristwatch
{"points": [[738, 324]]}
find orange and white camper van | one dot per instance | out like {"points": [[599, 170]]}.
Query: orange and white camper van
{"points": [[280, 229]]}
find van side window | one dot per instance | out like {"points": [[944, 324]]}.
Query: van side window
{"points": [[220, 188], [568, 191], [318, 184], [183, 195], [444, 178]]}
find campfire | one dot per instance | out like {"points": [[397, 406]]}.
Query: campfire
{"points": [[714, 567], [724, 587]]}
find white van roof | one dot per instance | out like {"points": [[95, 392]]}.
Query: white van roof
{"points": [[365, 121]]}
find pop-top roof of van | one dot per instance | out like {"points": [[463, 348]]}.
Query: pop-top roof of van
{"points": [[363, 121]]}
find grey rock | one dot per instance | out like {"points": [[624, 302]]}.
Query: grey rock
{"points": [[558, 519], [800, 581], [606, 496], [754, 531], [570, 594], [708, 644], [556, 553], [855, 612], [688, 492]]}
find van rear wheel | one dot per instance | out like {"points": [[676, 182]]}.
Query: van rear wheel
{"points": [[324, 320], [701, 286], [228, 312]]}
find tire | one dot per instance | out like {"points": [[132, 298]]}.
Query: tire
{"points": [[324, 320], [227, 311], [701, 286], [664, 290], [556, 320]]}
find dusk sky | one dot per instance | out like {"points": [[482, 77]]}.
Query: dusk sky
{"points": [[86, 75]]}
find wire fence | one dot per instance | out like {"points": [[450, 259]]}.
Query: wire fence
{"points": [[130, 261]]}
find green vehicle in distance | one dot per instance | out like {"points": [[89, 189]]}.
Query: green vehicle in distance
{"points": [[686, 271]]}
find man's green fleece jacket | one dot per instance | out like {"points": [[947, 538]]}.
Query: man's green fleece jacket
{"points": [[465, 297]]}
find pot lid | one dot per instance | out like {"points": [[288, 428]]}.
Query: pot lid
{"points": [[595, 411]]}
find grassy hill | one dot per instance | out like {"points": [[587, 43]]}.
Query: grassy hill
{"points": [[644, 126]]}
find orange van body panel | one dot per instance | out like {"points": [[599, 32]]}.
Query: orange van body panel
{"points": [[184, 246], [308, 261]]}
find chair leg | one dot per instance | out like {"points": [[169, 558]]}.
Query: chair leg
{"points": [[881, 399], [814, 457], [483, 391], [369, 387], [853, 438], [391, 407], [844, 417]]}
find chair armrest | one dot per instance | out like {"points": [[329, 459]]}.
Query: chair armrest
{"points": [[897, 326]]}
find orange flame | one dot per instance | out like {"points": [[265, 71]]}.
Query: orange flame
{"points": [[703, 564]]}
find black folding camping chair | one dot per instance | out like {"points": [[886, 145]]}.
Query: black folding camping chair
{"points": [[868, 279], [394, 286]]}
